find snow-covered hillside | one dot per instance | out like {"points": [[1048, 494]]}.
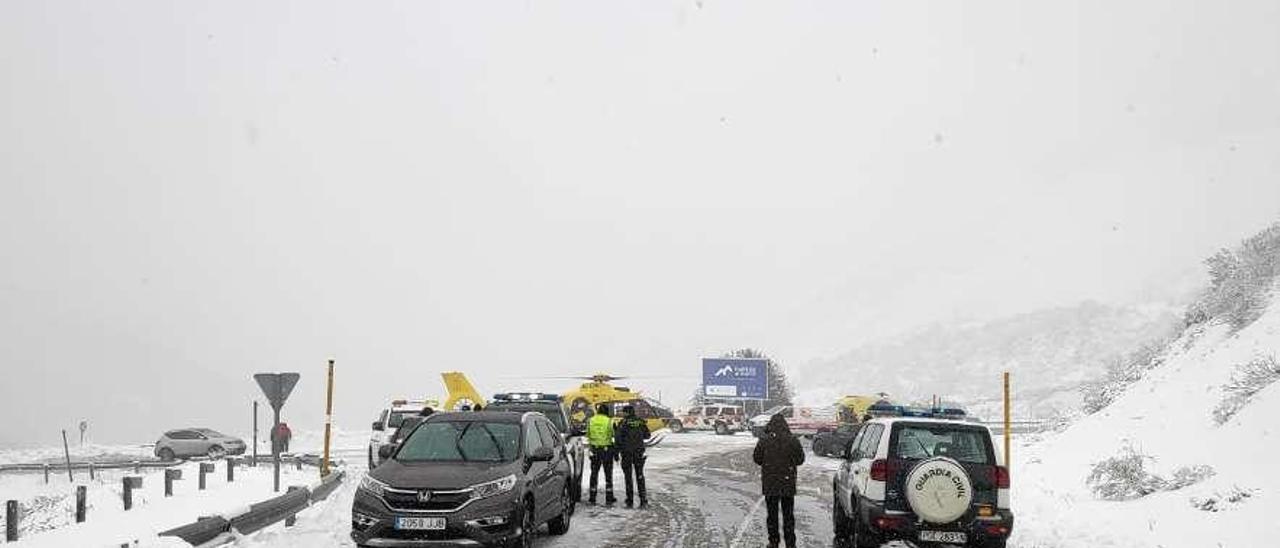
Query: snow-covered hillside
{"points": [[1050, 352], [1167, 416]]}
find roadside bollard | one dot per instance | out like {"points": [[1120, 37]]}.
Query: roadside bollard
{"points": [[231, 470], [82, 493], [46, 473], [11, 521], [206, 468], [130, 483], [137, 467], [91, 472], [298, 461], [292, 518], [171, 474]]}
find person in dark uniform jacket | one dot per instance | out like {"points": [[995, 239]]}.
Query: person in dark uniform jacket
{"points": [[779, 453], [631, 433]]}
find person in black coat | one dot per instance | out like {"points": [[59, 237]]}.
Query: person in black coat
{"points": [[779, 453], [630, 435]]}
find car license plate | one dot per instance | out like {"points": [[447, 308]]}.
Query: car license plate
{"points": [[420, 524], [943, 536]]}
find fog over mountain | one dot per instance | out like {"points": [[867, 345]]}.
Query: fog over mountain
{"points": [[1049, 352]]}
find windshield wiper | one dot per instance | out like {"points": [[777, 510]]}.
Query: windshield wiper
{"points": [[501, 456], [457, 442]]}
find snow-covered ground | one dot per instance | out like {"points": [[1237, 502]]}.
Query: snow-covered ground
{"points": [[1168, 416], [51, 521], [50, 518]]}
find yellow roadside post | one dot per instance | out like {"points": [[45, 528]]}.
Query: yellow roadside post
{"points": [[1008, 420], [328, 423]]}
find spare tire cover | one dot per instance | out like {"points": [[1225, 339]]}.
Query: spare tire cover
{"points": [[939, 490]]}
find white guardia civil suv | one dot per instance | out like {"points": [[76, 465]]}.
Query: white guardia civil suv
{"points": [[923, 480]]}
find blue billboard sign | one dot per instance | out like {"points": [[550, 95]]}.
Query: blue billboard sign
{"points": [[745, 378]]}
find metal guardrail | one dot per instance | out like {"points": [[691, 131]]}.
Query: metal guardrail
{"points": [[138, 465], [209, 530]]}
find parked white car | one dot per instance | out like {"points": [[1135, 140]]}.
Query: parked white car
{"points": [[197, 442], [724, 419], [390, 420], [803, 421]]}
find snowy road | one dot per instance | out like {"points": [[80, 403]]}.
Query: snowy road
{"points": [[704, 491]]}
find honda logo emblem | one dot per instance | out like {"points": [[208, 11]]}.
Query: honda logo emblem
{"points": [[424, 496]]}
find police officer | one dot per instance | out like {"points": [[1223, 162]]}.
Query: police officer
{"points": [[600, 438], [630, 434]]}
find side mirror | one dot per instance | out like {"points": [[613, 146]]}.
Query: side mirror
{"points": [[541, 454], [385, 452], [377, 426]]}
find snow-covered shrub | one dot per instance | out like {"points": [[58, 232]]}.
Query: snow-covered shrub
{"points": [[1124, 477], [1241, 281], [1190, 475], [1247, 380], [1222, 501], [1121, 373]]}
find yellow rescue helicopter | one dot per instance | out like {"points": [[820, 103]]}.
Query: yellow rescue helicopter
{"points": [[599, 389], [580, 402]]}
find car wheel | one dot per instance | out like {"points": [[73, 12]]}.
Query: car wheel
{"points": [[676, 426], [560, 525], [525, 540], [819, 447], [167, 455], [861, 535], [217, 452], [839, 522], [722, 429]]}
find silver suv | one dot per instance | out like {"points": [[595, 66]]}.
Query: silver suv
{"points": [[197, 442]]}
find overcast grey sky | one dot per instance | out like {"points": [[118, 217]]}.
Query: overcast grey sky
{"points": [[194, 191]]}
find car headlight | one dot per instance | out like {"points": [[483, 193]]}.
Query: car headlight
{"points": [[495, 487], [372, 485]]}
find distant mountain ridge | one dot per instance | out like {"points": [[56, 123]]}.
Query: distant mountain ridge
{"points": [[1050, 353]]}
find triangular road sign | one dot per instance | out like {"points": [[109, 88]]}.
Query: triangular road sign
{"points": [[277, 387]]}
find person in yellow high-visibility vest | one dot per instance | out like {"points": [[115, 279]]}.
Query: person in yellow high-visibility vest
{"points": [[600, 438]]}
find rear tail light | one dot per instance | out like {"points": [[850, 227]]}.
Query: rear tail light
{"points": [[881, 469], [997, 530], [1002, 477], [889, 522]]}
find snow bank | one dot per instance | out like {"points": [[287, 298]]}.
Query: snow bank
{"points": [[51, 524], [1168, 415]]}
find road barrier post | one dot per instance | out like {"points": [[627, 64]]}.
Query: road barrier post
{"points": [[170, 475], [46, 473], [206, 468], [92, 475], [1008, 422], [11, 521], [297, 460], [82, 493], [328, 422], [291, 519], [137, 467], [129, 484], [254, 462], [66, 451], [231, 470]]}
